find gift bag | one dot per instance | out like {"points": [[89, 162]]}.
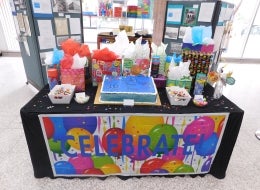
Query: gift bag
{"points": [[75, 77]]}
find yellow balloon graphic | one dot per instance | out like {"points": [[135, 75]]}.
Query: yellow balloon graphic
{"points": [[141, 125], [172, 165], [76, 133], [110, 169], [217, 119]]}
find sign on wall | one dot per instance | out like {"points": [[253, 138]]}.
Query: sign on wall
{"points": [[132, 144]]}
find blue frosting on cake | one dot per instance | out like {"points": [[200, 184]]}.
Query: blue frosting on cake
{"points": [[138, 88]]}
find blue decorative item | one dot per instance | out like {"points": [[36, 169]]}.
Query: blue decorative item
{"points": [[63, 167], [88, 123], [59, 130], [208, 146], [57, 56]]}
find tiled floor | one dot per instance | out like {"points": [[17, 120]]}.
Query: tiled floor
{"points": [[16, 169]]}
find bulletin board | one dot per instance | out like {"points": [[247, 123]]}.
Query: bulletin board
{"points": [[56, 21], [182, 14]]}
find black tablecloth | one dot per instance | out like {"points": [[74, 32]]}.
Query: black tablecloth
{"points": [[41, 104]]}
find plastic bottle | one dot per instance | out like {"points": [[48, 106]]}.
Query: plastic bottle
{"points": [[155, 65], [53, 77]]}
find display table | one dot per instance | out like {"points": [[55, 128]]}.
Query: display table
{"points": [[130, 141]]}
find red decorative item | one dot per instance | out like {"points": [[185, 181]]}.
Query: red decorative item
{"points": [[75, 77], [118, 133], [150, 165], [70, 47]]}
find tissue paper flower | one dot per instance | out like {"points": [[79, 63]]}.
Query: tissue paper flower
{"points": [[225, 78], [213, 76]]}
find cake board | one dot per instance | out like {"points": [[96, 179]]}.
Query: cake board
{"points": [[97, 100]]}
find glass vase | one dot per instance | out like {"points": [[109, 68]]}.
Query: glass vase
{"points": [[218, 91]]}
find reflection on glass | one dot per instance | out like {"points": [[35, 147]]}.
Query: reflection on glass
{"points": [[241, 29], [252, 46]]}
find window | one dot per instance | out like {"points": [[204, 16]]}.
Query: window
{"points": [[103, 16]]}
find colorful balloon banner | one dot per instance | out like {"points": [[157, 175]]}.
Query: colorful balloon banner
{"points": [[118, 144]]}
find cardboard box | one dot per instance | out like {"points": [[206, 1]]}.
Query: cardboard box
{"points": [[178, 96]]}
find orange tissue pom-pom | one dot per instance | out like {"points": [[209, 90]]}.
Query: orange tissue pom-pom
{"points": [[70, 46], [84, 51], [104, 55]]}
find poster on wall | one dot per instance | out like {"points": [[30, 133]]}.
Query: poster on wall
{"points": [[190, 16], [66, 6], [125, 144], [171, 32], [42, 8], [175, 47], [174, 14], [206, 12]]}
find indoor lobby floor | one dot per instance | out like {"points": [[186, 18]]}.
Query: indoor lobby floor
{"points": [[16, 172]]}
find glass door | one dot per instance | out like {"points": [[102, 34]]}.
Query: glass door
{"points": [[252, 46], [245, 34]]}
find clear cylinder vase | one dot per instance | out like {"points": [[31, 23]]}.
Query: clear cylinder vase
{"points": [[218, 91]]}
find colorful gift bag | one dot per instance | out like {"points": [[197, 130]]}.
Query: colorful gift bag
{"points": [[207, 48], [101, 68], [184, 82], [193, 47], [199, 61], [136, 67], [75, 77], [200, 81]]}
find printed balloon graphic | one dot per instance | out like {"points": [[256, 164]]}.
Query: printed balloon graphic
{"points": [[116, 135], [198, 130], [63, 167], [100, 161], [159, 171], [55, 146], [141, 125], [220, 127], [48, 126], [81, 163], [161, 134], [174, 154], [206, 166], [59, 130], [152, 165], [77, 134], [208, 146], [93, 171], [138, 155], [172, 165], [184, 169], [88, 123], [110, 169], [217, 119]]}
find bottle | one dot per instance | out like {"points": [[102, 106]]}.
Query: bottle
{"points": [[155, 65], [218, 91], [53, 77], [168, 60]]}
